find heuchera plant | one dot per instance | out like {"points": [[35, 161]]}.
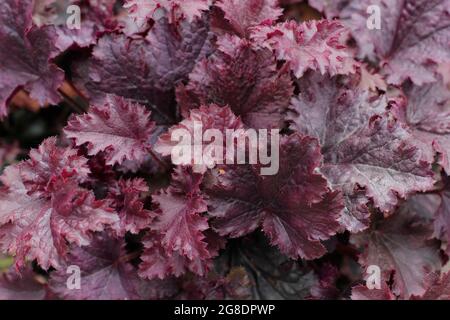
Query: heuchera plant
{"points": [[88, 188]]}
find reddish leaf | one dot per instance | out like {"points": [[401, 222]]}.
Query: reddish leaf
{"points": [[120, 128], [283, 204], [361, 292], [41, 212], [179, 220], [106, 274], [363, 146], [427, 112], [439, 287], [25, 56], [235, 285], [317, 45], [180, 240], [157, 262], [245, 79], [175, 10], [47, 164], [400, 246], [128, 200], [435, 208], [151, 66], [209, 117], [240, 16], [93, 20], [331, 8], [413, 36]]}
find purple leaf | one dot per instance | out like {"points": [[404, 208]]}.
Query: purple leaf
{"points": [[295, 208], [439, 287], [245, 79], [362, 292], [427, 112], [210, 117], [179, 219], [21, 286], [362, 144], [316, 45], [26, 56], [240, 16], [41, 213], [175, 10], [106, 274], [128, 198], [413, 37], [150, 66], [118, 127], [400, 247]]}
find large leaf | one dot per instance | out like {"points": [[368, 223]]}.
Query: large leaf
{"points": [[25, 56], [427, 112], [316, 45], [413, 36], [42, 211], [363, 145], [119, 127], [295, 208], [106, 274], [149, 67], [400, 247], [245, 79]]}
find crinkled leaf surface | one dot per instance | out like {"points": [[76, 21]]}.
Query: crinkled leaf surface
{"points": [[149, 67], [295, 208], [128, 197], [439, 287], [199, 120], [427, 112], [40, 214], [363, 146], [157, 262], [95, 17], [316, 45], [413, 37], [25, 56], [175, 10], [106, 274], [180, 220], [119, 127], [240, 16], [400, 246], [180, 240], [245, 79]]}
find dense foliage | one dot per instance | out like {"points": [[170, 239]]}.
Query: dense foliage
{"points": [[87, 179]]}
